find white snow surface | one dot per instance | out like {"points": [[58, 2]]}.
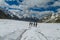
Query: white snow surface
{"points": [[20, 30]]}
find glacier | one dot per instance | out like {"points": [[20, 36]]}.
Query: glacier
{"points": [[20, 30]]}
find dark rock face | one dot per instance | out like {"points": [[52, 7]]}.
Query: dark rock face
{"points": [[4, 16], [58, 21]]}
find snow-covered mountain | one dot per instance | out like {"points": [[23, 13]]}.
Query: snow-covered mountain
{"points": [[20, 11], [28, 9]]}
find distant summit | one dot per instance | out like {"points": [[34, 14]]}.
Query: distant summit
{"points": [[4, 16]]}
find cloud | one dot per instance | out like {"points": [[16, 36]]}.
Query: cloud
{"points": [[57, 3], [32, 3], [58, 10]]}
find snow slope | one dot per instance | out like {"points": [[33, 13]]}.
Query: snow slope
{"points": [[8, 26], [20, 30]]}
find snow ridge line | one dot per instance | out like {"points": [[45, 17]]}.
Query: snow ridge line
{"points": [[43, 35], [19, 38]]}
